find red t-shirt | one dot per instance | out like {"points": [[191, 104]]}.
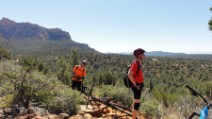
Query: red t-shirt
{"points": [[139, 76]]}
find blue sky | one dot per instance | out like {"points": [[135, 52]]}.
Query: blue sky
{"points": [[122, 25]]}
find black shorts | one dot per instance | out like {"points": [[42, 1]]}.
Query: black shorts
{"points": [[77, 85], [137, 92]]}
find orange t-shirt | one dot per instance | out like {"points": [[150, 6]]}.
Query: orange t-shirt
{"points": [[79, 72]]}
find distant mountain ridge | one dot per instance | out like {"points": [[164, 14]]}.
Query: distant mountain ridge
{"points": [[153, 53], [32, 39], [161, 53], [10, 30], [171, 54], [180, 55]]}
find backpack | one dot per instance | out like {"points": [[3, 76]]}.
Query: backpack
{"points": [[127, 81]]}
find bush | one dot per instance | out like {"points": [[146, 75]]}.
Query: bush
{"points": [[167, 94], [68, 102], [150, 108], [9, 77], [4, 54], [23, 87], [120, 94]]}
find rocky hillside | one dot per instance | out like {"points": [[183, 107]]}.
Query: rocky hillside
{"points": [[11, 30], [32, 39]]}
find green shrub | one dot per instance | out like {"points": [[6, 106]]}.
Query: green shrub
{"points": [[20, 86], [150, 108], [10, 75], [167, 94], [4, 54], [68, 102], [120, 94]]}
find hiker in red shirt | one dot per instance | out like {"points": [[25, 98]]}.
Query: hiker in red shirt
{"points": [[136, 77]]}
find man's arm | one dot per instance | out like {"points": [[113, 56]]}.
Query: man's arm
{"points": [[131, 78], [73, 71]]}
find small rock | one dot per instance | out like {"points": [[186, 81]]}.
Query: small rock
{"points": [[88, 116], [76, 117], [63, 116], [96, 113], [105, 110]]}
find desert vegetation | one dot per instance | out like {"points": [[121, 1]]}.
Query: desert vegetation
{"points": [[46, 81]]}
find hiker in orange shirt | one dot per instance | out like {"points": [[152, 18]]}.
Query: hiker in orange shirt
{"points": [[79, 73]]}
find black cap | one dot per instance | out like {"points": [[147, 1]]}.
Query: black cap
{"points": [[138, 51]]}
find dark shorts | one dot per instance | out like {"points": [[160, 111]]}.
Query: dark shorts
{"points": [[76, 85], [137, 92]]}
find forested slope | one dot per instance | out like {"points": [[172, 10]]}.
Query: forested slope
{"points": [[164, 94]]}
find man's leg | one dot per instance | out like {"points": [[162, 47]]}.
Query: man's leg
{"points": [[74, 85], [82, 88], [136, 101], [79, 83], [136, 105]]}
